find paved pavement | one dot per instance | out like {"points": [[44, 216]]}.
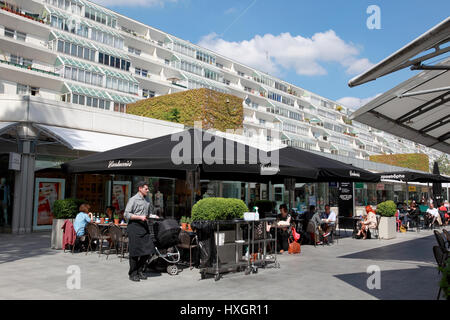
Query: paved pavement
{"points": [[29, 269]]}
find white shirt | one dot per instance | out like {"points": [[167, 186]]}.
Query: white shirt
{"points": [[434, 212], [332, 217]]}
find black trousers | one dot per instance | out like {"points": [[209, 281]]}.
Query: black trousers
{"points": [[282, 239], [137, 264]]}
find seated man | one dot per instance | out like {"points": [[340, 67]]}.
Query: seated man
{"points": [[329, 221], [314, 225], [433, 215]]}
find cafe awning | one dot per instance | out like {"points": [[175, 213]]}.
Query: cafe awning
{"points": [[412, 176], [86, 140]]}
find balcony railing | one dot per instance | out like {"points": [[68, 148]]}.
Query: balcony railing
{"points": [[30, 68], [15, 10]]}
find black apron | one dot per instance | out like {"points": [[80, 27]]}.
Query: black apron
{"points": [[140, 240]]}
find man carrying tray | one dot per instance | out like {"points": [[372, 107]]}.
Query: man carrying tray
{"points": [[141, 246]]}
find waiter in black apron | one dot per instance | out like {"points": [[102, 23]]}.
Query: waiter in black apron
{"points": [[141, 246]]}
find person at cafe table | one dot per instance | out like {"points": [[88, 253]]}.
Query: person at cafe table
{"points": [[110, 213], [284, 222], [329, 221], [369, 222], [81, 220]]}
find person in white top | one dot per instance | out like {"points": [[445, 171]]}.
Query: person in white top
{"points": [[330, 221], [433, 215]]}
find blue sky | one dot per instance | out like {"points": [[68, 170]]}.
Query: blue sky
{"points": [[318, 45]]}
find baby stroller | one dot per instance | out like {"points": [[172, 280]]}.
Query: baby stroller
{"points": [[165, 238]]}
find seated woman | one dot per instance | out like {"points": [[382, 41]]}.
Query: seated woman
{"points": [[82, 219], [110, 213], [444, 214], [283, 222], [370, 222]]}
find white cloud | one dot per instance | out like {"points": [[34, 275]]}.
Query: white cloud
{"points": [[275, 53], [133, 3], [356, 103], [230, 10]]}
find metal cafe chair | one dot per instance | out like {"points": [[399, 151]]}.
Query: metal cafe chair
{"points": [[118, 239], [94, 234], [440, 257], [186, 242]]}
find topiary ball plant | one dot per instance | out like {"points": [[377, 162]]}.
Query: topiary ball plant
{"points": [[387, 208], [218, 209]]}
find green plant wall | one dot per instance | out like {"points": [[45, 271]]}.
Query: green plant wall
{"points": [[416, 161], [214, 109]]}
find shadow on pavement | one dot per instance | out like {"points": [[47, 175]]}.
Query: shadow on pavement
{"points": [[402, 284], [419, 250], [17, 247]]}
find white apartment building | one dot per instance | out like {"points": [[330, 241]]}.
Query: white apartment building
{"points": [[85, 54], [76, 62]]}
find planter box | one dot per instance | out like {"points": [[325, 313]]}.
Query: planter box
{"points": [[387, 228], [57, 233], [227, 252]]}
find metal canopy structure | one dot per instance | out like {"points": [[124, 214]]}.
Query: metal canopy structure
{"points": [[408, 56], [423, 117], [419, 108]]}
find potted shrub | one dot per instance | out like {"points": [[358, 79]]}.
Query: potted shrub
{"points": [[63, 210], [214, 209], [116, 219], [102, 217], [387, 227]]}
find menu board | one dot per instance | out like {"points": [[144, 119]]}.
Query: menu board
{"points": [[345, 201]]}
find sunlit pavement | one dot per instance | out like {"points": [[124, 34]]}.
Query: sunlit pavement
{"points": [[29, 269]]}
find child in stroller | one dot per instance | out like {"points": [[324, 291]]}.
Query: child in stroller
{"points": [[165, 237]]}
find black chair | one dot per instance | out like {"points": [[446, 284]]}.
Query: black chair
{"points": [[447, 237], [440, 257], [441, 242], [188, 242], [117, 240], [94, 234], [79, 241]]}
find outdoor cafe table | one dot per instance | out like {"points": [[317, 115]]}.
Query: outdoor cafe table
{"points": [[104, 227]]}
